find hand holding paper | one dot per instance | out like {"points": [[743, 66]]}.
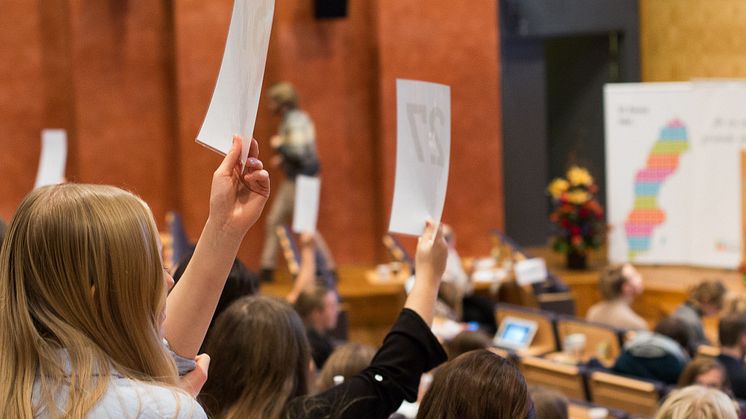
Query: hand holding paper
{"points": [[423, 146], [236, 97], [237, 198]]}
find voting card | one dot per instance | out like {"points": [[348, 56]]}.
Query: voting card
{"points": [[53, 158], [236, 97], [423, 147], [306, 211]]}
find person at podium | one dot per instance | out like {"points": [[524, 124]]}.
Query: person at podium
{"points": [[619, 286]]}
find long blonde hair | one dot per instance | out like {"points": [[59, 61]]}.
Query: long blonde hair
{"points": [[81, 293]]}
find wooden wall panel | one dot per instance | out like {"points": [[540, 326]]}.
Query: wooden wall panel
{"points": [[454, 43], [21, 104], [685, 39], [131, 81]]}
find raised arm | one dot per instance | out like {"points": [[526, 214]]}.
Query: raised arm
{"points": [[430, 263], [307, 270], [408, 350], [236, 201]]}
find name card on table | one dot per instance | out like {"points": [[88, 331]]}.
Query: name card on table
{"points": [[530, 271], [53, 158], [423, 147], [236, 96], [306, 210]]}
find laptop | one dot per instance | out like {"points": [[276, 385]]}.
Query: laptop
{"points": [[515, 333]]}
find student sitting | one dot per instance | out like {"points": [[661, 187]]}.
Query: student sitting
{"points": [[619, 286], [467, 341], [345, 362], [262, 371], [705, 299], [697, 402], [83, 307], [549, 404], [660, 355], [707, 372], [478, 384], [732, 334]]}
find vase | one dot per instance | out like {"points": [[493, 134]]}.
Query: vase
{"points": [[577, 261]]}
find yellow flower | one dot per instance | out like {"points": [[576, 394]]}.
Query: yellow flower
{"points": [[578, 197], [557, 187], [579, 176]]}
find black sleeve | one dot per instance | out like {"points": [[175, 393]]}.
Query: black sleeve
{"points": [[409, 350]]}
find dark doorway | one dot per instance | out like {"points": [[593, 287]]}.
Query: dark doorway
{"points": [[556, 55]]}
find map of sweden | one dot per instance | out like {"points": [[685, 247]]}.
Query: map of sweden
{"points": [[662, 162]]}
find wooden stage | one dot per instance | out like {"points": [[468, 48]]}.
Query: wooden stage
{"points": [[372, 308]]}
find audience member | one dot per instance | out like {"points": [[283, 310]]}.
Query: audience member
{"points": [[467, 341], [619, 286], [83, 315], [477, 384], [660, 355], [734, 303], [732, 334], [345, 362], [295, 145], [264, 363], [697, 402], [705, 299], [549, 404], [707, 372], [241, 282], [457, 291], [318, 307]]}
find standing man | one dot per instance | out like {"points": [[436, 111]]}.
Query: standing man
{"points": [[295, 145]]}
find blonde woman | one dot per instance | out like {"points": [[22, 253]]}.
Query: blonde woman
{"points": [[83, 313], [697, 402]]}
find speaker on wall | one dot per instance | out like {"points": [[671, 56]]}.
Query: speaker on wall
{"points": [[330, 9]]}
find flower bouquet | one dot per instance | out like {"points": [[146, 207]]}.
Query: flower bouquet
{"points": [[577, 216]]}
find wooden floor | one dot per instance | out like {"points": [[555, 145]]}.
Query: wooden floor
{"points": [[372, 308]]}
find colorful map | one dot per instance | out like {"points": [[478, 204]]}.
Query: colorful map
{"points": [[662, 162]]}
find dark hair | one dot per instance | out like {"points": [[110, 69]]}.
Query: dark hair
{"points": [[240, 283], [478, 384], [701, 366], [674, 328], [611, 282], [260, 359], [710, 291], [467, 341], [549, 404], [311, 299], [731, 328]]}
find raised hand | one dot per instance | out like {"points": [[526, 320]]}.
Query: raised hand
{"points": [[237, 199], [432, 253]]}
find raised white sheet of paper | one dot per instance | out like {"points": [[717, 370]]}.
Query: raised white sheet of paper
{"points": [[53, 158], [423, 148], [530, 271], [236, 96], [306, 211]]}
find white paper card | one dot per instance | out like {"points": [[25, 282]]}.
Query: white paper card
{"points": [[306, 211], [423, 148], [236, 97], [530, 271], [53, 157]]}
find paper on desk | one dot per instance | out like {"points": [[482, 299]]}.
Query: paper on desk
{"points": [[53, 158], [530, 271], [236, 96], [423, 147], [306, 211]]}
